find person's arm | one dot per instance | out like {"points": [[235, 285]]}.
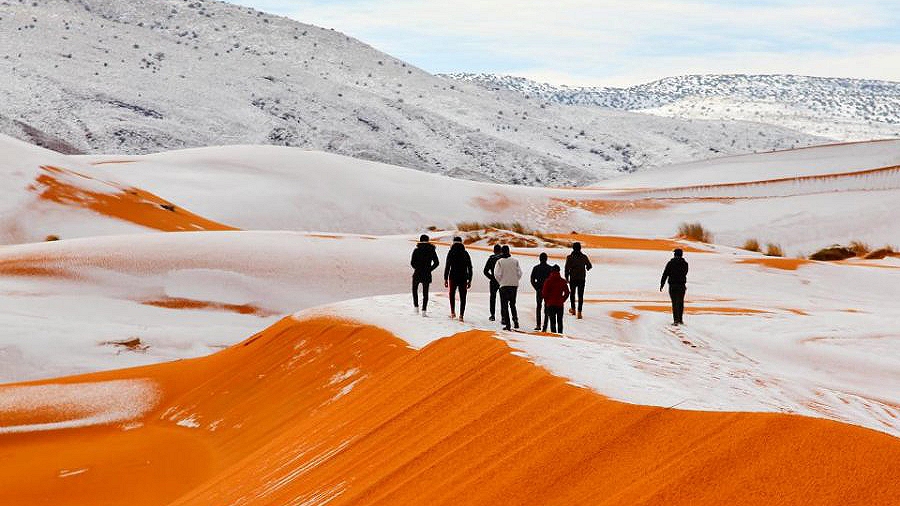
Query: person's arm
{"points": [[497, 271], [469, 271], [518, 271], [447, 269], [489, 269], [587, 262], [567, 269], [565, 288], [534, 279], [665, 275], [434, 260], [412, 260]]}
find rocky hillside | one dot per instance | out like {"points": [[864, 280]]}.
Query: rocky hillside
{"points": [[116, 76], [840, 109]]}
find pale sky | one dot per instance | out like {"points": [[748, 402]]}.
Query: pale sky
{"points": [[616, 43]]}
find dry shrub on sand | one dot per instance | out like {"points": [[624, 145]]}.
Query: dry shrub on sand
{"points": [[469, 226], [833, 253], [859, 248], [774, 250], [52, 237], [694, 232], [472, 238], [751, 245], [880, 253]]}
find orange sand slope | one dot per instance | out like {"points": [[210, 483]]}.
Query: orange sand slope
{"points": [[129, 204], [463, 421], [633, 243]]}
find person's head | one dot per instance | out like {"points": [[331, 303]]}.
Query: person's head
{"points": [[576, 246], [424, 238], [543, 258], [555, 268], [497, 249], [457, 239], [504, 250], [678, 252]]}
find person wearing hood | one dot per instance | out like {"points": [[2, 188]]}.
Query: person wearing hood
{"points": [[538, 275], [489, 273], [577, 265], [458, 276], [676, 274], [424, 260], [555, 292], [508, 273]]}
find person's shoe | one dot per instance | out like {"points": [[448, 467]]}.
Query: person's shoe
{"points": [[537, 329], [507, 328], [417, 309], [492, 318], [452, 315], [579, 315], [516, 324], [461, 318], [572, 311], [424, 314]]}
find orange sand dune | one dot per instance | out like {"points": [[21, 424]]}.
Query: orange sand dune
{"points": [[129, 204], [787, 264], [705, 310], [611, 207], [182, 303], [623, 315], [791, 179], [617, 242], [327, 411]]}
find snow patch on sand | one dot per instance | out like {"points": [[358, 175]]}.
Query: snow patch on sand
{"points": [[70, 405]]}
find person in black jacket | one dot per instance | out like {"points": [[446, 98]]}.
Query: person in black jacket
{"points": [[538, 276], [424, 260], [489, 273], [577, 265], [458, 276], [676, 273]]}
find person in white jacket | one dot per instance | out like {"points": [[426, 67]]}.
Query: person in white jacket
{"points": [[508, 273]]}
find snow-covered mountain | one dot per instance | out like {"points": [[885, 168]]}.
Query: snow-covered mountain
{"points": [[840, 109], [107, 76]]}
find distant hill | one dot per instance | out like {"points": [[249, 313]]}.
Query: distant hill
{"points": [[840, 109], [116, 76]]}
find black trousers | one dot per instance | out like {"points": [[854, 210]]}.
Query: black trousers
{"points": [[462, 297], [539, 300], [576, 285], [676, 293], [508, 305], [555, 315], [415, 290], [495, 287]]}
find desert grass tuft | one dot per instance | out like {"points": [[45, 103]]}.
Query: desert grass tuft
{"points": [[751, 245], [694, 232]]}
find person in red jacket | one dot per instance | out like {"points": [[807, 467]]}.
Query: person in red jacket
{"points": [[555, 292]]}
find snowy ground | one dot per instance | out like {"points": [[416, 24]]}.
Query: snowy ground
{"points": [[814, 341]]}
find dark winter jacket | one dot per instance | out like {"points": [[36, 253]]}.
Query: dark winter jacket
{"points": [[577, 265], [676, 272], [489, 266], [539, 275], [555, 290], [458, 267], [424, 260]]}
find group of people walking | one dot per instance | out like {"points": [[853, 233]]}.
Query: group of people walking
{"points": [[552, 286]]}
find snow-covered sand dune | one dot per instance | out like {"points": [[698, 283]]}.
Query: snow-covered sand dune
{"points": [[325, 411], [796, 339], [800, 199], [355, 377]]}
